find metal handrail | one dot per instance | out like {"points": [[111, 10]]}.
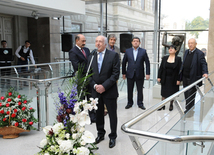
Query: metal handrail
{"points": [[42, 64], [126, 127], [36, 80]]}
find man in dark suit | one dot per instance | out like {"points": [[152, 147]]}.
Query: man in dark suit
{"points": [[78, 56], [194, 66], [135, 57], [106, 69], [79, 53]]}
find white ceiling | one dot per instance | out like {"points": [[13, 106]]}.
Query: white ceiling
{"points": [[45, 8]]}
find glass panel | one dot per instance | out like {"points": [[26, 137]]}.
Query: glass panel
{"points": [[198, 121]]}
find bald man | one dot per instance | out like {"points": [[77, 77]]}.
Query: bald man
{"points": [[105, 69], [78, 55], [193, 68]]}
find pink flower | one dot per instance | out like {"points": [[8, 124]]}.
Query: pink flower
{"points": [[15, 110], [7, 105], [24, 120], [16, 124], [0, 104], [13, 115], [19, 96], [19, 103], [9, 100], [8, 113], [31, 108], [31, 123], [10, 94], [2, 98], [4, 119], [25, 102], [2, 111], [23, 108]]}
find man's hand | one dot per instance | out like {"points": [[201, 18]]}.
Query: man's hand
{"points": [[159, 79], [100, 89], [124, 76], [147, 77], [23, 59], [178, 82], [205, 75]]}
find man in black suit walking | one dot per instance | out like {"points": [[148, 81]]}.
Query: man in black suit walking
{"points": [[135, 57], [194, 66], [78, 55], [106, 69]]}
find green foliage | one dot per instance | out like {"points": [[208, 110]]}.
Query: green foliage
{"points": [[197, 23], [81, 81]]}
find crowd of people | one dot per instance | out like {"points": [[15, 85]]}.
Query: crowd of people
{"points": [[104, 65]]}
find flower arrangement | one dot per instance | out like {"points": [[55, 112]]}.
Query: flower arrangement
{"points": [[16, 111], [68, 136]]}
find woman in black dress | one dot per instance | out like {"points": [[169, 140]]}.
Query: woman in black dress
{"points": [[168, 75]]}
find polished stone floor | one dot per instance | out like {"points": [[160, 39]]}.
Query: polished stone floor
{"points": [[159, 121]]}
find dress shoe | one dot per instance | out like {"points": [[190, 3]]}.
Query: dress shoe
{"points": [[112, 143], [162, 108], [142, 107], [128, 106], [99, 139], [93, 121]]}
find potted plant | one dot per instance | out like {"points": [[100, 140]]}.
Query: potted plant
{"points": [[16, 115]]}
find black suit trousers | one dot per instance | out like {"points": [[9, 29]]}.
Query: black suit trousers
{"points": [[111, 104], [130, 87], [189, 94]]}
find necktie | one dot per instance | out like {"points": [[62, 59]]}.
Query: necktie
{"points": [[190, 52], [100, 61], [83, 52]]}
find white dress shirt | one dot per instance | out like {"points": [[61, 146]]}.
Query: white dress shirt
{"points": [[135, 52], [25, 51]]}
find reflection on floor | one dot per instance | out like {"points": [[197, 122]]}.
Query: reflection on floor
{"points": [[159, 121]]}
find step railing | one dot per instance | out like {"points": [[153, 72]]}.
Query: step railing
{"points": [[134, 134]]}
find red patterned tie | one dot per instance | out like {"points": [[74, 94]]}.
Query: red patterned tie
{"points": [[83, 52]]}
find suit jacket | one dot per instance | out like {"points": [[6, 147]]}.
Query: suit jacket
{"points": [[198, 66], [108, 75], [78, 59], [176, 69], [117, 50], [135, 66]]}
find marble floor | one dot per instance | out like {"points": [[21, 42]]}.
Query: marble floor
{"points": [[159, 121]]}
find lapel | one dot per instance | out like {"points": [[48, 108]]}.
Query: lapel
{"points": [[104, 60], [165, 61], [94, 63], [79, 52], [131, 53], [138, 53], [176, 61], [194, 59]]}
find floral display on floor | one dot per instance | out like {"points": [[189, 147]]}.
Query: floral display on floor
{"points": [[16, 111], [68, 136]]}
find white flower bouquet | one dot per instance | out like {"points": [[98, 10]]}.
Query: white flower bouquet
{"points": [[68, 136]]}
